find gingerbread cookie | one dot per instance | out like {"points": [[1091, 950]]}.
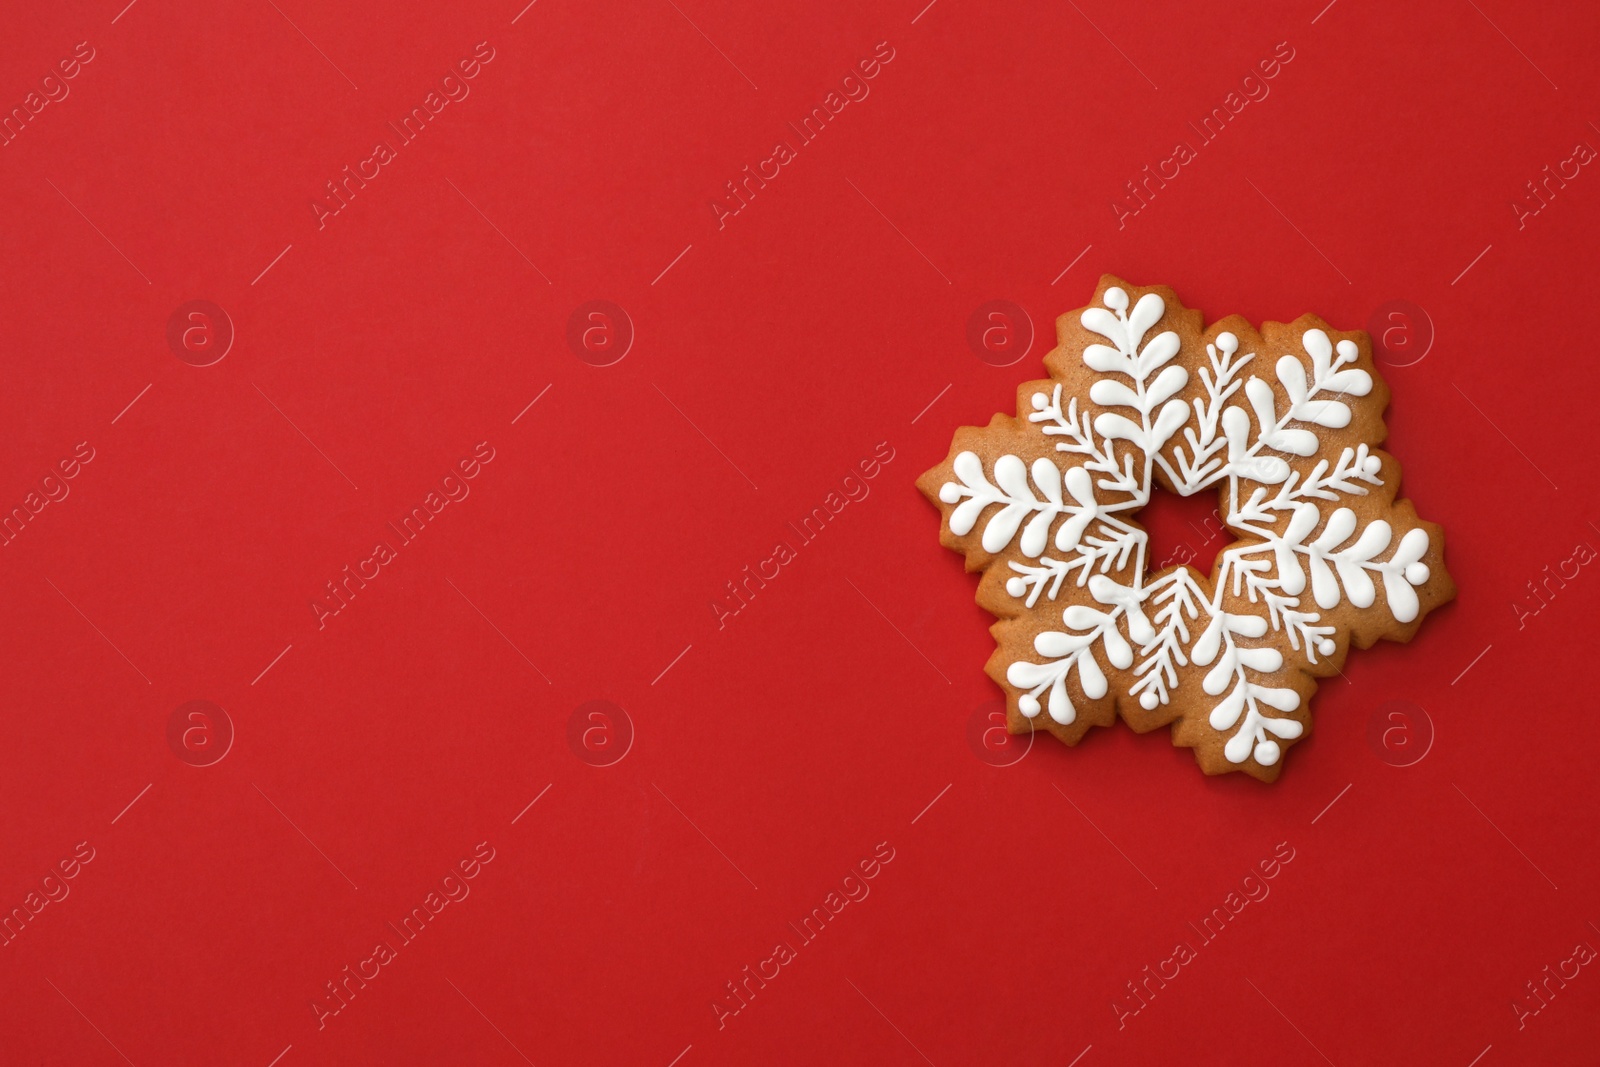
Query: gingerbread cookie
{"points": [[1283, 425]]}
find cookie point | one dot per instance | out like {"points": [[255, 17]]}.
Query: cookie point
{"points": [[1417, 573], [949, 492], [1016, 586]]}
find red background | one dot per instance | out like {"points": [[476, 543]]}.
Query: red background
{"points": [[775, 752]]}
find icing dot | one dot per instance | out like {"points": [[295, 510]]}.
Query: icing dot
{"points": [[1148, 700], [1372, 465], [1267, 753], [1039, 401], [949, 492], [1028, 705], [1116, 298], [1326, 647], [1016, 586], [1348, 349], [1417, 573]]}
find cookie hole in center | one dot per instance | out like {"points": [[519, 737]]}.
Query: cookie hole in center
{"points": [[1183, 530]]}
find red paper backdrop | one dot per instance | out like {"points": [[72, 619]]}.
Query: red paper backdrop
{"points": [[838, 717]]}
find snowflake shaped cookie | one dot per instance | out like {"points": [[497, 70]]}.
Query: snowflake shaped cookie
{"points": [[1283, 426]]}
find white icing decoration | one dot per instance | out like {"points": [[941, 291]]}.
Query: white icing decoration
{"points": [[1304, 560]]}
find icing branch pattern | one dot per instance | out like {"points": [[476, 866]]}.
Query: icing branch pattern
{"points": [[1240, 427]]}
